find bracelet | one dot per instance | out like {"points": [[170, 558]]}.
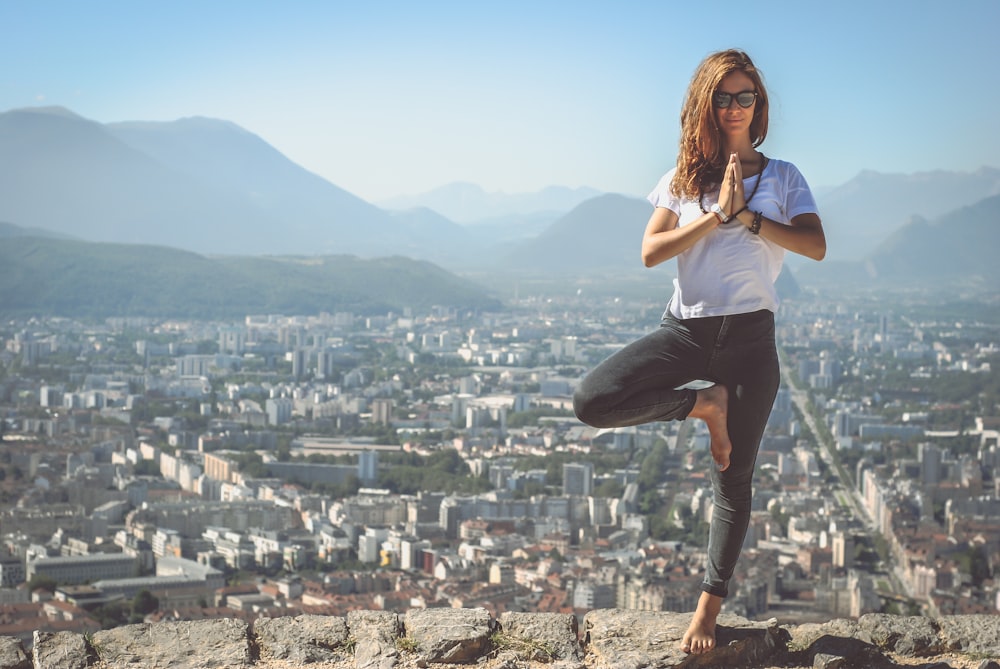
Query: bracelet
{"points": [[755, 226], [721, 215]]}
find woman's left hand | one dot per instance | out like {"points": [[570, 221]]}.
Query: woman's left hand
{"points": [[731, 195]]}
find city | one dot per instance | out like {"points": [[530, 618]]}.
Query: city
{"points": [[181, 470]]}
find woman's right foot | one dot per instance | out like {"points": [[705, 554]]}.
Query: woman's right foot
{"points": [[712, 406], [700, 636]]}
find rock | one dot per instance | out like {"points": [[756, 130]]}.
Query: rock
{"points": [[827, 661], [542, 637], [449, 635], [835, 652], [202, 644], [913, 636], [59, 650], [303, 639], [374, 634], [803, 636], [975, 635], [988, 664], [620, 639], [12, 655]]}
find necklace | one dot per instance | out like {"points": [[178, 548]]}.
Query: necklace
{"points": [[756, 185]]}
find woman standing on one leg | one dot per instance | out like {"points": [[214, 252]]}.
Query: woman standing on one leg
{"points": [[728, 214]]}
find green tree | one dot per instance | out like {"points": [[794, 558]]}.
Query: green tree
{"points": [[144, 602], [41, 581]]}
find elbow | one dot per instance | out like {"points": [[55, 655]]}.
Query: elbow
{"points": [[649, 259], [820, 251]]}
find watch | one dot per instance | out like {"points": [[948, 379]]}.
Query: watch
{"points": [[717, 210]]}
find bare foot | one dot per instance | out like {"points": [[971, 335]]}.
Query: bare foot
{"points": [[700, 636], [712, 406]]}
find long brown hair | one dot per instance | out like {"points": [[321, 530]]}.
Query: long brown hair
{"points": [[700, 161]]}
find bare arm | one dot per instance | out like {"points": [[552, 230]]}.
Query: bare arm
{"points": [[803, 235], [663, 239]]}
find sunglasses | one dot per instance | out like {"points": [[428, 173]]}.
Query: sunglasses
{"points": [[744, 99]]}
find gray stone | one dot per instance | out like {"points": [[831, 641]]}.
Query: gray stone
{"points": [[803, 636], [988, 664], [12, 655], [617, 639], [201, 644], [827, 661], [59, 650], [977, 635], [620, 639], [449, 635], [374, 634], [302, 639], [913, 636], [854, 653], [543, 637]]}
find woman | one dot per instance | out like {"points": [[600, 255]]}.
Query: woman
{"points": [[728, 214]]}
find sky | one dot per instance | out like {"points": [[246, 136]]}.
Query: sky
{"points": [[398, 98]]}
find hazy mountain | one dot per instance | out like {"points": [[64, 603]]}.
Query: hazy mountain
{"points": [[603, 232], [69, 175], [470, 204], [958, 248], [453, 245], [961, 244], [311, 213], [11, 230], [862, 213], [73, 278], [197, 184]]}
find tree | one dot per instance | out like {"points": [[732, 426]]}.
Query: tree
{"points": [[144, 602], [41, 581]]}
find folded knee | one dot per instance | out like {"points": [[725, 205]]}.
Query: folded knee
{"points": [[587, 410]]}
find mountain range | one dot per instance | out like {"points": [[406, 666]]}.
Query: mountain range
{"points": [[209, 187], [46, 275]]}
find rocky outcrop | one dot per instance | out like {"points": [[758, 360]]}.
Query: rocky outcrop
{"points": [[610, 639]]}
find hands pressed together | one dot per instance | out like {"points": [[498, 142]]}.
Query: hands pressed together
{"points": [[732, 198]]}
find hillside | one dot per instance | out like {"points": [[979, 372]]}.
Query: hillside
{"points": [[84, 279]]}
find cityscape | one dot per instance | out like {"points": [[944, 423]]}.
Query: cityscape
{"points": [[156, 469]]}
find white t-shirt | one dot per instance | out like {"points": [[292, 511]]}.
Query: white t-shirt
{"points": [[729, 270]]}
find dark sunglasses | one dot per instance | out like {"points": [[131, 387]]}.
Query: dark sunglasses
{"points": [[744, 99]]}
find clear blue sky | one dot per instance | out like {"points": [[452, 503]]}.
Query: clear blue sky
{"points": [[391, 98]]}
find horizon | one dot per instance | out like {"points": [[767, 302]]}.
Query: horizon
{"points": [[394, 100]]}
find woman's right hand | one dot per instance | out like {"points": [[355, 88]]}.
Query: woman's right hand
{"points": [[731, 197]]}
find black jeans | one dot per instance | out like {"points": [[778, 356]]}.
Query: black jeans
{"points": [[638, 384]]}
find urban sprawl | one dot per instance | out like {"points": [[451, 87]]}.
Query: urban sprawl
{"points": [[174, 470]]}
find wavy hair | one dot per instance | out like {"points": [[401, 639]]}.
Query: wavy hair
{"points": [[700, 161]]}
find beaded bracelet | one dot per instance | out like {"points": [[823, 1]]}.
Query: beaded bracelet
{"points": [[755, 226]]}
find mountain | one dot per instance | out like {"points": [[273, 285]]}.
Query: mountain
{"points": [[470, 204], [863, 212], [68, 175], [11, 230], [198, 184], [309, 212], [961, 244], [951, 250], [87, 279], [601, 233]]}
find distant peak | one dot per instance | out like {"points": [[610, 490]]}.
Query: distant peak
{"points": [[51, 110]]}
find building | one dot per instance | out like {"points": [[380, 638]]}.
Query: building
{"points": [[84, 568], [578, 479]]}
